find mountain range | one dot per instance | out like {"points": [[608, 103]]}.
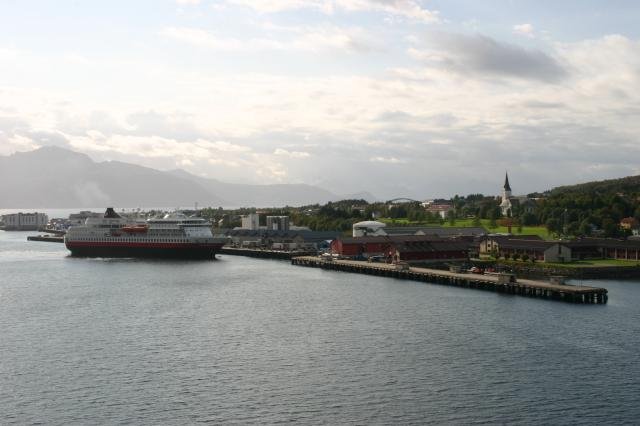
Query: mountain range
{"points": [[54, 177]]}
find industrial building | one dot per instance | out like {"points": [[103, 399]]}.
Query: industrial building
{"points": [[251, 221], [375, 228], [278, 223], [410, 248], [281, 240]]}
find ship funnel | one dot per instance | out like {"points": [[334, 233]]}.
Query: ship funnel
{"points": [[111, 213]]}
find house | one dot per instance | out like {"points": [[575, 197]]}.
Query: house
{"points": [[509, 245], [440, 209], [631, 224]]}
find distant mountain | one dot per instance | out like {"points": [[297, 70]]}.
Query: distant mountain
{"points": [[52, 177], [363, 195], [243, 195]]}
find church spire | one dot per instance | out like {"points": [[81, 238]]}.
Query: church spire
{"points": [[506, 182]]}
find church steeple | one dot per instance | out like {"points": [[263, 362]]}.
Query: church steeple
{"points": [[506, 182]]}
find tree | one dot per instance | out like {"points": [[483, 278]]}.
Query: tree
{"points": [[451, 216], [554, 225], [528, 219], [585, 228]]}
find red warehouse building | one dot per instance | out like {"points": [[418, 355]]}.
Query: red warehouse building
{"points": [[410, 248]]}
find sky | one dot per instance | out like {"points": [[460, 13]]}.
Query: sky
{"points": [[401, 98]]}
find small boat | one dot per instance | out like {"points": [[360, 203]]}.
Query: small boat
{"points": [[135, 229]]}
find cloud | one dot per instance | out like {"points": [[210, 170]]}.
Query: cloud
{"points": [[291, 154], [409, 9], [389, 160], [188, 2], [482, 55], [524, 30], [309, 39], [460, 113]]}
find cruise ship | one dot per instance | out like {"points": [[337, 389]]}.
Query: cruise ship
{"points": [[173, 236]]}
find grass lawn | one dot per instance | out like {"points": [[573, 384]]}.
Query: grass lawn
{"points": [[595, 262], [541, 231]]}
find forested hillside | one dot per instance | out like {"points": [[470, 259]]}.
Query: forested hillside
{"points": [[580, 209]]}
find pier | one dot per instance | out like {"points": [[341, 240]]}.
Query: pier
{"points": [[264, 254], [496, 283]]}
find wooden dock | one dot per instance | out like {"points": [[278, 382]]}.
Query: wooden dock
{"points": [[522, 287]]}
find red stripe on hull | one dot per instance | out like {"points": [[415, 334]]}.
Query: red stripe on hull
{"points": [[143, 250]]}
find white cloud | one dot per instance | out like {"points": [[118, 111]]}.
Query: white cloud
{"points": [[9, 145], [434, 113], [311, 39], [390, 160], [188, 2], [410, 9], [291, 154], [524, 30]]}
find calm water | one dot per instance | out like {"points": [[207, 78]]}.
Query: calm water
{"points": [[255, 341]]}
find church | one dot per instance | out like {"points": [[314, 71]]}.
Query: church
{"points": [[514, 204]]}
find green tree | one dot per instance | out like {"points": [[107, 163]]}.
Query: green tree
{"points": [[554, 226]]}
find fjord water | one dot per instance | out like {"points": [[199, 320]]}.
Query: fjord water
{"points": [[239, 340]]}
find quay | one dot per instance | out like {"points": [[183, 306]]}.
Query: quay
{"points": [[521, 287], [264, 254], [46, 238]]}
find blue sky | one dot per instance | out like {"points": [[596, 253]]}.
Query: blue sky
{"points": [[397, 97]]}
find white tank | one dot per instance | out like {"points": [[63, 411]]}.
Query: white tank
{"points": [[368, 227]]}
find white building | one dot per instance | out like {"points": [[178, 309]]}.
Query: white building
{"points": [[509, 202], [505, 205], [251, 221], [368, 228], [24, 221], [278, 223]]}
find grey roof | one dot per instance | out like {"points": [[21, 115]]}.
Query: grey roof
{"points": [[269, 233]]}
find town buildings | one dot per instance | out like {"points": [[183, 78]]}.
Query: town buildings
{"points": [[440, 208], [531, 247], [24, 221]]}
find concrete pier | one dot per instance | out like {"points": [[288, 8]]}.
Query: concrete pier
{"points": [[521, 287], [264, 254]]}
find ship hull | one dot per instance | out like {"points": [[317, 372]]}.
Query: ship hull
{"points": [[183, 251]]}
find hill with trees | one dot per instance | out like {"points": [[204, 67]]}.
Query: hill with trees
{"points": [[593, 206]]}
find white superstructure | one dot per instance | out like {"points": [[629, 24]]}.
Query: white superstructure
{"points": [[173, 235]]}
